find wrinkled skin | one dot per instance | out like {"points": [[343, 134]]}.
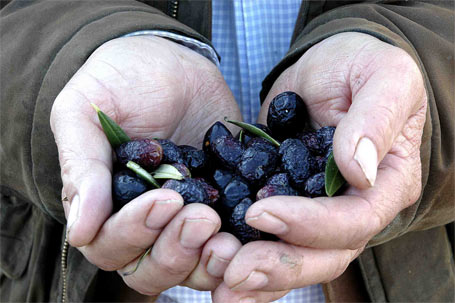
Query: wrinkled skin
{"points": [[153, 88], [367, 89], [343, 80]]}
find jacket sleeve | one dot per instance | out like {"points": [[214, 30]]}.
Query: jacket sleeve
{"points": [[425, 31], [43, 44]]}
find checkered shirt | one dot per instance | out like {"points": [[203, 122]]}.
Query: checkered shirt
{"points": [[251, 36]]}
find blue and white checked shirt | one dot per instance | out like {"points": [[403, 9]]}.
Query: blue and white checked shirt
{"points": [[251, 36]]}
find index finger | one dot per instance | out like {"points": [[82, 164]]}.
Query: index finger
{"points": [[347, 221]]}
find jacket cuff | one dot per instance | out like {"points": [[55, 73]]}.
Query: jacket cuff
{"points": [[47, 51], [67, 61], [315, 33], [199, 47]]}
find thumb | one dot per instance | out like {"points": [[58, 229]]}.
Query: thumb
{"points": [[85, 159], [381, 106]]}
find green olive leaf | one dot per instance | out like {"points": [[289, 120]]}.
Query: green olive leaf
{"points": [[167, 171], [241, 135], [333, 178], [142, 173], [254, 130], [114, 133]]}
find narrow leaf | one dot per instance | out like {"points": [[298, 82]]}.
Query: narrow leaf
{"points": [[333, 178], [112, 130], [167, 171], [138, 263], [254, 130], [142, 173], [241, 135]]}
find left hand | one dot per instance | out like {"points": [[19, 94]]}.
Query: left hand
{"points": [[374, 93], [152, 87]]}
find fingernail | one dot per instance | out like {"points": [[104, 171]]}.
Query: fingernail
{"points": [[367, 157], [74, 212], [256, 280], [248, 300], [159, 213], [268, 222], [217, 266], [196, 232]]}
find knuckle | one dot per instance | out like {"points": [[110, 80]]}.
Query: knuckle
{"points": [[379, 219], [73, 168], [339, 268], [406, 62], [173, 265], [376, 222], [67, 157]]}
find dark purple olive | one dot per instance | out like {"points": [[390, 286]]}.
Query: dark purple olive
{"points": [[259, 161], [237, 225], [171, 152], [271, 190], [146, 152], [297, 162], [191, 190], [195, 159], [227, 151], [126, 186], [287, 115], [214, 132], [315, 185], [212, 193], [221, 178]]}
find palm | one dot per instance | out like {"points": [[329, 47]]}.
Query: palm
{"points": [[174, 94], [374, 93], [152, 88], [338, 71]]}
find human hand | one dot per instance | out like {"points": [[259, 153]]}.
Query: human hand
{"points": [[151, 87], [374, 93]]}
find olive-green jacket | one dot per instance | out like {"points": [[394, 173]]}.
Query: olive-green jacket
{"points": [[43, 43]]}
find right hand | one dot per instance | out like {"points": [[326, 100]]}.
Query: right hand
{"points": [[151, 87], [374, 93]]}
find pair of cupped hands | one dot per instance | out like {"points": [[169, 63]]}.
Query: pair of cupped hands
{"points": [[152, 87]]}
